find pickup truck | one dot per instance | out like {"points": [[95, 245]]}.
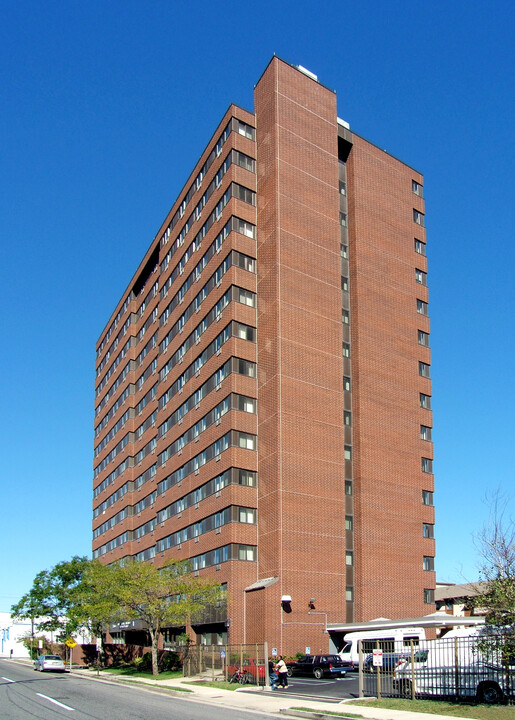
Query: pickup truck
{"points": [[317, 666]]}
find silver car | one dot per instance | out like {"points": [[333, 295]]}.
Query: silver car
{"points": [[49, 662]]}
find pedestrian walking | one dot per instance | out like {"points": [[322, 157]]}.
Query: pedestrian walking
{"points": [[282, 672]]}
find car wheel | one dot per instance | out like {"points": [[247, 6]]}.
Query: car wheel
{"points": [[405, 688], [490, 693], [318, 673], [290, 672]]}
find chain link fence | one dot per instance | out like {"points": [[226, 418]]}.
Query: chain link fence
{"points": [[245, 664]]}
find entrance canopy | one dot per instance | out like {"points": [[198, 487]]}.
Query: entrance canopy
{"points": [[433, 620]]}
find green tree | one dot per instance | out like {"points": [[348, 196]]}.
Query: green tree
{"points": [[50, 601], [496, 592], [161, 597]]}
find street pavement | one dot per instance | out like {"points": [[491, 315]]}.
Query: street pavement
{"points": [[256, 699]]}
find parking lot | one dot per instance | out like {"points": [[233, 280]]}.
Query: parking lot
{"points": [[332, 690]]}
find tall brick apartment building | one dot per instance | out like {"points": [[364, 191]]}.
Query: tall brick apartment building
{"points": [[263, 394]]}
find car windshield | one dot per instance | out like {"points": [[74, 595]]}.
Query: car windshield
{"points": [[52, 657]]}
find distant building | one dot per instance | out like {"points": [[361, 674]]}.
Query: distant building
{"points": [[459, 600], [263, 391], [11, 634]]}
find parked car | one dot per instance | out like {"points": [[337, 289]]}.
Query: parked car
{"points": [[247, 669], [390, 661], [318, 666], [49, 662]]}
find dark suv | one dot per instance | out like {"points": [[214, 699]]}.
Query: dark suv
{"points": [[318, 666]]}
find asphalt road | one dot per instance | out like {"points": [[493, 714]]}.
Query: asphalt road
{"points": [[330, 690], [27, 695]]}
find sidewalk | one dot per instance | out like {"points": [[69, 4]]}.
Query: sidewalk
{"points": [[264, 700]]}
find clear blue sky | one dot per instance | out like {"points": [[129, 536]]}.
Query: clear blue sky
{"points": [[105, 107]]}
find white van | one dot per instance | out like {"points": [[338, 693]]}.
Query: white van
{"points": [[398, 640], [454, 666]]}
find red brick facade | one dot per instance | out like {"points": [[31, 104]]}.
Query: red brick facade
{"points": [[258, 387]]}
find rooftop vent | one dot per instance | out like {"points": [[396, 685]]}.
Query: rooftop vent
{"points": [[307, 72]]}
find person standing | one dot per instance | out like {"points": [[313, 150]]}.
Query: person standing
{"points": [[282, 672], [272, 674]]}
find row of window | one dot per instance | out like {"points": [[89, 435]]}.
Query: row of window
{"points": [[233, 125], [231, 514], [234, 156], [235, 190], [110, 435], [113, 410], [233, 438], [233, 329], [113, 327], [233, 476], [233, 365], [231, 402], [234, 293], [234, 224]]}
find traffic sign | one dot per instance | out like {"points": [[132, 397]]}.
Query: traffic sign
{"points": [[377, 657], [70, 642]]}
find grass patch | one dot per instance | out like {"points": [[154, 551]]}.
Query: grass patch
{"points": [[146, 674], [442, 707], [218, 684], [327, 712]]}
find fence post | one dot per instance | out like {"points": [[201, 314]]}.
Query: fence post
{"points": [[412, 669], [267, 674], [360, 656], [378, 676], [456, 668], [213, 663]]}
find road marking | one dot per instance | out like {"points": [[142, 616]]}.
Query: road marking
{"points": [[66, 707], [8, 680]]}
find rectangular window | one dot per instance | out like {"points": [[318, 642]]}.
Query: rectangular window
{"points": [[427, 497], [346, 384], [348, 487], [429, 597], [344, 251], [423, 369], [425, 401], [349, 557], [343, 219], [349, 594], [418, 217], [422, 307], [348, 522], [420, 247], [247, 515], [246, 552], [425, 432], [417, 188], [347, 418], [420, 277], [429, 563], [343, 188], [347, 453], [423, 338], [427, 465], [345, 317], [346, 350], [345, 283], [428, 530]]}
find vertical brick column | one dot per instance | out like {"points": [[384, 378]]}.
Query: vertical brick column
{"points": [[301, 497], [385, 355]]}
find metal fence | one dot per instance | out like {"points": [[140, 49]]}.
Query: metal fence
{"points": [[245, 664], [481, 668]]}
